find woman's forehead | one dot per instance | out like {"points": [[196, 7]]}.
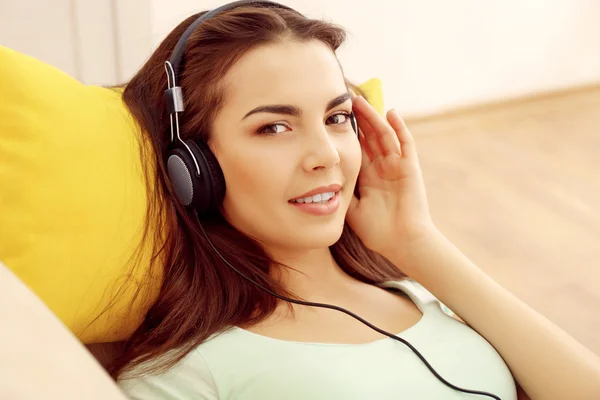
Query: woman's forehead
{"points": [[285, 71]]}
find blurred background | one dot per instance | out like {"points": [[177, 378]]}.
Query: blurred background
{"points": [[432, 55], [503, 98]]}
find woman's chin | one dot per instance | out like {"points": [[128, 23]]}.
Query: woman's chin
{"points": [[320, 238]]}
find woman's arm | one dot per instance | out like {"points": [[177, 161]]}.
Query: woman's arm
{"points": [[39, 357], [546, 362]]}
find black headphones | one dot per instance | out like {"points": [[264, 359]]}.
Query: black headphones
{"points": [[193, 169]]}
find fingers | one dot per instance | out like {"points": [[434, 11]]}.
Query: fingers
{"points": [[380, 136], [369, 139], [367, 157], [405, 138]]}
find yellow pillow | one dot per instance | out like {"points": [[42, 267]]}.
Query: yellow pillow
{"points": [[73, 195], [374, 93]]}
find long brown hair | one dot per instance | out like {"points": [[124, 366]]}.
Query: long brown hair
{"points": [[200, 295]]}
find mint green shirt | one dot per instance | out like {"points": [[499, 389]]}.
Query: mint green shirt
{"points": [[241, 365]]}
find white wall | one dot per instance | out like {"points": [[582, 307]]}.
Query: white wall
{"points": [[134, 23], [76, 36], [434, 55], [23, 23]]}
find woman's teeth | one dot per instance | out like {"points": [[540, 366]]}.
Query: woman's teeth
{"points": [[317, 198]]}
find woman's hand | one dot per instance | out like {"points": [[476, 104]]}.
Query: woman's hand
{"points": [[392, 218], [392, 210]]}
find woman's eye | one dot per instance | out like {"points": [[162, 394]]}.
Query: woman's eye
{"points": [[273, 129], [339, 119]]}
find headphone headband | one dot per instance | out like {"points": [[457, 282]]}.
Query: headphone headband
{"points": [[177, 55], [173, 94]]}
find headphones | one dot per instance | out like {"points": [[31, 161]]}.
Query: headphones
{"points": [[192, 167], [199, 183]]}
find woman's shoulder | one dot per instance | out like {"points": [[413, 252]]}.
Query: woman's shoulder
{"points": [[188, 379], [422, 297]]}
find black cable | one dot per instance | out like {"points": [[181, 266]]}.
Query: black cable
{"points": [[332, 307]]}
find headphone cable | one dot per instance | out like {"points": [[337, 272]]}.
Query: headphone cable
{"points": [[333, 307]]}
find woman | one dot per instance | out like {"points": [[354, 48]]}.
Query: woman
{"points": [[265, 91]]}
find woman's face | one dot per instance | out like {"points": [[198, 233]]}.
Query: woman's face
{"points": [[282, 133]]}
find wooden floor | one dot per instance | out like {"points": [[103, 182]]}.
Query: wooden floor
{"points": [[517, 188]]}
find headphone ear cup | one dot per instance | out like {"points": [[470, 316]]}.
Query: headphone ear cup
{"points": [[212, 185], [204, 191], [182, 174]]}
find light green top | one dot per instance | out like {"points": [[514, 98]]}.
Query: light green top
{"points": [[241, 365]]}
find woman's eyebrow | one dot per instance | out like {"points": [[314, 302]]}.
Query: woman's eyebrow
{"points": [[341, 99], [293, 110]]}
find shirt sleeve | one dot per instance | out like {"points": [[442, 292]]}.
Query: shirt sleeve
{"points": [[189, 380]]}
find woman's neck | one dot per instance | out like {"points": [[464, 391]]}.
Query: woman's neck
{"points": [[311, 274]]}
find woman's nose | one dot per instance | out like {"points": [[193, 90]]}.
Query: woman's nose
{"points": [[322, 151]]}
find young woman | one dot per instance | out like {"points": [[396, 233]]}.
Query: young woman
{"points": [[314, 212]]}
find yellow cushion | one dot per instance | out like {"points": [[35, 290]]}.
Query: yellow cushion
{"points": [[374, 93], [73, 195], [72, 198]]}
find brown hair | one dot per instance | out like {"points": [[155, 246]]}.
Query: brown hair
{"points": [[200, 295]]}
